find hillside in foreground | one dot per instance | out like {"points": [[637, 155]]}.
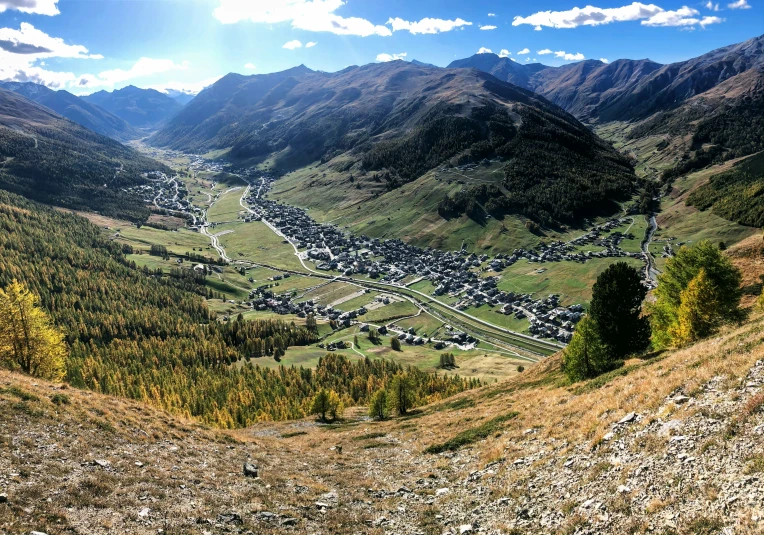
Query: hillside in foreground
{"points": [[671, 444]]}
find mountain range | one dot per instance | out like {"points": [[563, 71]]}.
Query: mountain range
{"points": [[141, 108], [77, 109], [624, 89]]}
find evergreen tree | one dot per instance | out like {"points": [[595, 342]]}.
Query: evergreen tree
{"points": [[586, 355], [400, 397], [676, 276], [28, 339], [616, 307], [395, 343], [378, 406]]}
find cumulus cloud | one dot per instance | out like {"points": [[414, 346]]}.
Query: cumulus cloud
{"points": [[427, 25], [569, 57], [291, 45], [647, 14], [311, 44], [523, 51], [488, 27], [484, 50], [604, 60], [309, 15], [23, 51], [543, 52], [35, 7], [384, 58], [713, 7], [143, 67], [29, 41], [250, 66], [740, 4], [504, 53], [492, 14]]}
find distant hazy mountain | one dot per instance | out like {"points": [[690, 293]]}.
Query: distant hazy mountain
{"points": [[49, 158], [399, 120], [76, 109], [181, 97], [421, 63], [142, 108], [502, 68]]}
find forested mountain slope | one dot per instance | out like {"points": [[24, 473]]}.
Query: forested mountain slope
{"points": [[75, 109], [149, 335], [142, 108], [397, 121], [46, 157]]}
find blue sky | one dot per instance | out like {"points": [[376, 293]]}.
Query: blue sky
{"points": [[89, 45]]}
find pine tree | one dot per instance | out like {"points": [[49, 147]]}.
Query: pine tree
{"points": [[395, 343], [378, 405], [697, 316], [586, 355], [28, 340], [616, 307]]}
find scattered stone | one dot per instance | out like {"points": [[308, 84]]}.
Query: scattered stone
{"points": [[230, 518], [681, 399], [102, 463], [442, 492], [465, 528], [608, 436], [628, 418], [139, 464], [250, 470], [143, 513], [289, 521], [623, 489], [3, 498]]}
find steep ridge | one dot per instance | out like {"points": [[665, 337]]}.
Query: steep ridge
{"points": [[217, 107], [89, 115], [142, 108], [624, 89], [51, 159]]}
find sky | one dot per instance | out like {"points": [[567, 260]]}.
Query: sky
{"points": [[85, 46]]}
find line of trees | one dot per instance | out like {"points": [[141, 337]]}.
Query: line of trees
{"points": [[698, 291]]}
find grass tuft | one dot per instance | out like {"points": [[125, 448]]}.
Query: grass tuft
{"points": [[472, 435]]}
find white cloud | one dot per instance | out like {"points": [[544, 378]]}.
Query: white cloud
{"points": [[384, 58], [309, 15], [537, 29], [648, 14], [36, 7], [311, 44], [705, 21], [713, 7], [484, 50], [504, 53], [142, 68], [492, 14], [23, 51], [32, 43], [427, 25], [250, 66], [740, 4], [543, 52], [190, 88], [523, 51], [604, 60], [488, 27], [568, 56], [291, 45]]}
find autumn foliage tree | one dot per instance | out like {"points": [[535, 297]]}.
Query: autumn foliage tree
{"points": [[28, 339], [720, 282], [586, 355]]}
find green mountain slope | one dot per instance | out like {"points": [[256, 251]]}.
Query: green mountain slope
{"points": [[48, 158]]}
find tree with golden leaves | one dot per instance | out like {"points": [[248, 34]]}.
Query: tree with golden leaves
{"points": [[698, 315], [28, 339]]}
